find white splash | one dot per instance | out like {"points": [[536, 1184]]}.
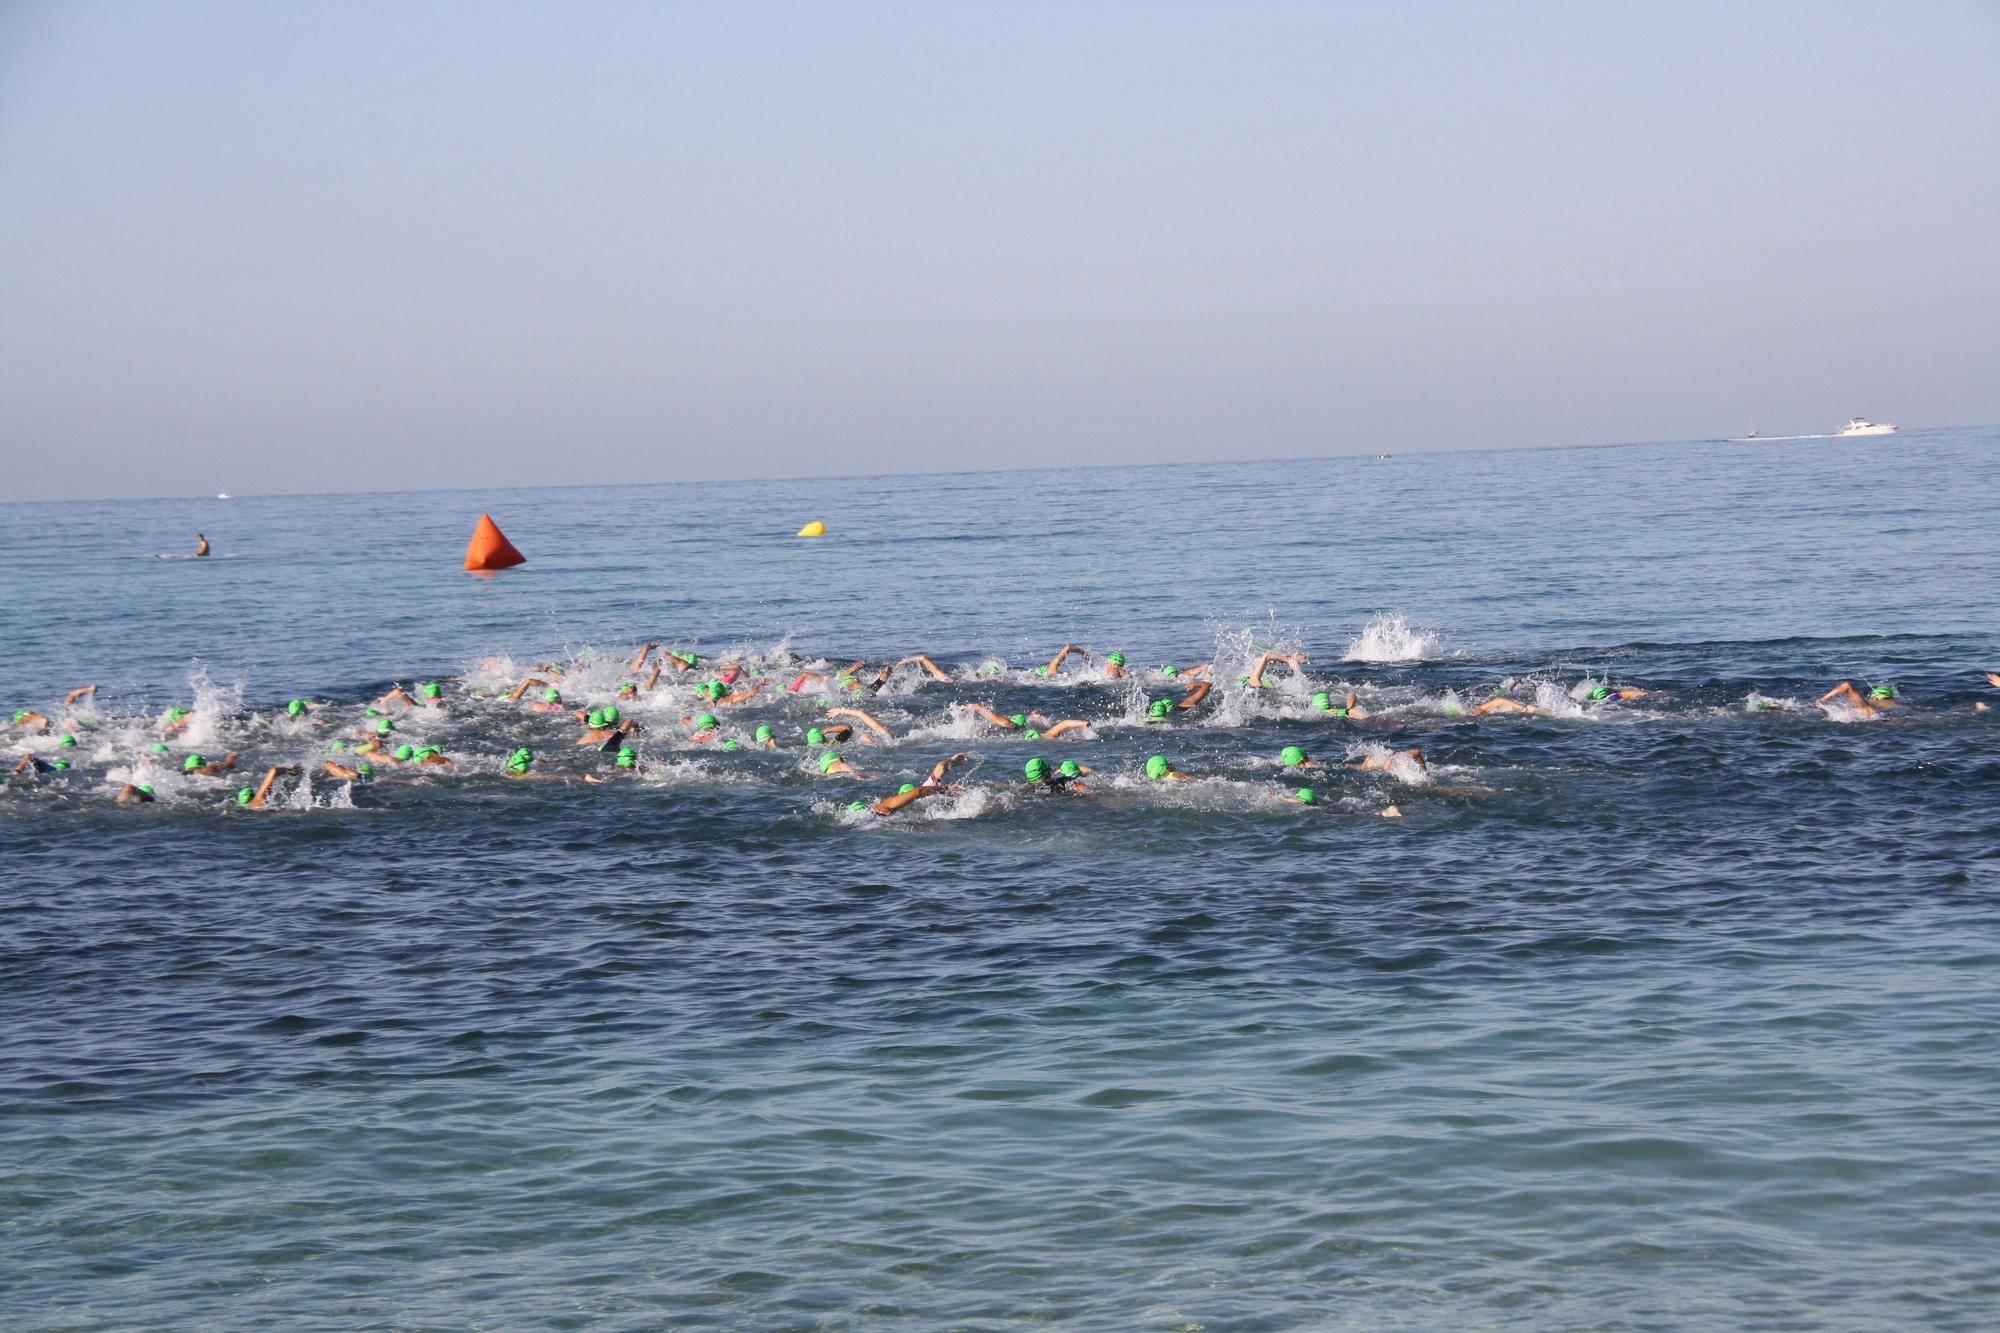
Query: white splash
{"points": [[1391, 638]]}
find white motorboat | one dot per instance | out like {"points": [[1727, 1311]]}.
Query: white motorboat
{"points": [[1863, 426]]}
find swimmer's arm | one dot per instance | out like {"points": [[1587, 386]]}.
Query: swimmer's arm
{"points": [[743, 696], [944, 766], [526, 685], [871, 723], [1201, 670], [997, 719], [1062, 655], [34, 719], [1196, 693], [270, 780], [397, 695], [131, 795], [653, 679], [640, 660], [1354, 709], [340, 770], [889, 805], [1068, 724], [1845, 690], [1993, 679], [918, 659], [78, 693]]}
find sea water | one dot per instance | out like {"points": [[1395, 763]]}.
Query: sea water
{"points": [[1681, 1011]]}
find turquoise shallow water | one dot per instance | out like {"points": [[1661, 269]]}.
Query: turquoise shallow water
{"points": [[1676, 1012]]}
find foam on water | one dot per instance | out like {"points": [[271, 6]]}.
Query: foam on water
{"points": [[1391, 638]]}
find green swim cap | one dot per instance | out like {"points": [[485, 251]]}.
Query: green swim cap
{"points": [[685, 659], [61, 765], [990, 669], [1159, 708], [763, 734], [66, 742], [1170, 671], [336, 745], [1243, 680], [21, 715], [192, 762], [715, 689], [1068, 769], [1115, 659], [365, 770], [1157, 767], [1882, 692], [1601, 692], [244, 795], [814, 736], [404, 751], [610, 715], [519, 760], [731, 745], [1306, 795], [828, 760], [424, 752], [159, 747], [1452, 710], [1031, 734], [857, 805], [625, 685], [706, 722], [374, 712], [1323, 701], [384, 727], [295, 707], [906, 789], [552, 695], [430, 690], [173, 714], [146, 787], [1042, 670], [594, 720], [1760, 703], [1018, 719], [1291, 756], [1037, 769], [628, 758]]}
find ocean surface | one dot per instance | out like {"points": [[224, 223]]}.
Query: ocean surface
{"points": [[1681, 1010]]}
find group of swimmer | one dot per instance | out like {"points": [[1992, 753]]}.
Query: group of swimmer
{"points": [[373, 747]]}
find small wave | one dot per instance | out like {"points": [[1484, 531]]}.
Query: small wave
{"points": [[1391, 638]]}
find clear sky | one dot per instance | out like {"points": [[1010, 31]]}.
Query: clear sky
{"points": [[353, 246]]}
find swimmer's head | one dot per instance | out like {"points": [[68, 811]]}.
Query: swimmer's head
{"points": [[610, 715], [1036, 769], [1031, 734], [686, 659], [67, 742], [1157, 767], [384, 727], [857, 805], [61, 765], [715, 689], [990, 669], [1600, 692], [431, 690], [244, 795], [1323, 701], [628, 687], [173, 714], [763, 734], [159, 747], [814, 736], [1170, 671], [627, 757], [906, 789], [1291, 756], [552, 695], [22, 714], [594, 720], [731, 745], [519, 761], [295, 708], [828, 761], [1759, 702], [404, 751], [146, 787], [192, 762], [1018, 719], [336, 745], [1306, 795], [1042, 670], [368, 771], [1882, 692], [1115, 659], [424, 752], [706, 722], [1159, 708], [1068, 769]]}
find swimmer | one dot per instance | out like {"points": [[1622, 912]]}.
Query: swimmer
{"points": [[837, 733], [79, 692], [1385, 763], [1323, 701], [766, 738], [874, 725], [1114, 665], [1006, 721], [1255, 680], [1064, 779], [1055, 663], [1293, 757], [1196, 693], [604, 729], [552, 701], [719, 694], [136, 794], [1502, 704], [704, 725], [358, 773], [1303, 796], [679, 661], [28, 717], [627, 760], [196, 765], [1880, 698], [27, 766], [254, 800], [640, 661], [911, 793], [1600, 694], [200, 545], [1160, 769], [843, 678], [831, 763]]}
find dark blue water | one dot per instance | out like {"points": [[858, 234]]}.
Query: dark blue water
{"points": [[1680, 1011]]}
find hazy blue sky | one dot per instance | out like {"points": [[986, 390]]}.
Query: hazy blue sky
{"points": [[298, 246]]}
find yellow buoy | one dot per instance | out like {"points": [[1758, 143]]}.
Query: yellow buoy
{"points": [[813, 529]]}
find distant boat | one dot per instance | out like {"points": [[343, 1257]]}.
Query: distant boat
{"points": [[1863, 426], [225, 495]]}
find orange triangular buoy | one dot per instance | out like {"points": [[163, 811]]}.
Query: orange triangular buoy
{"points": [[490, 550]]}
